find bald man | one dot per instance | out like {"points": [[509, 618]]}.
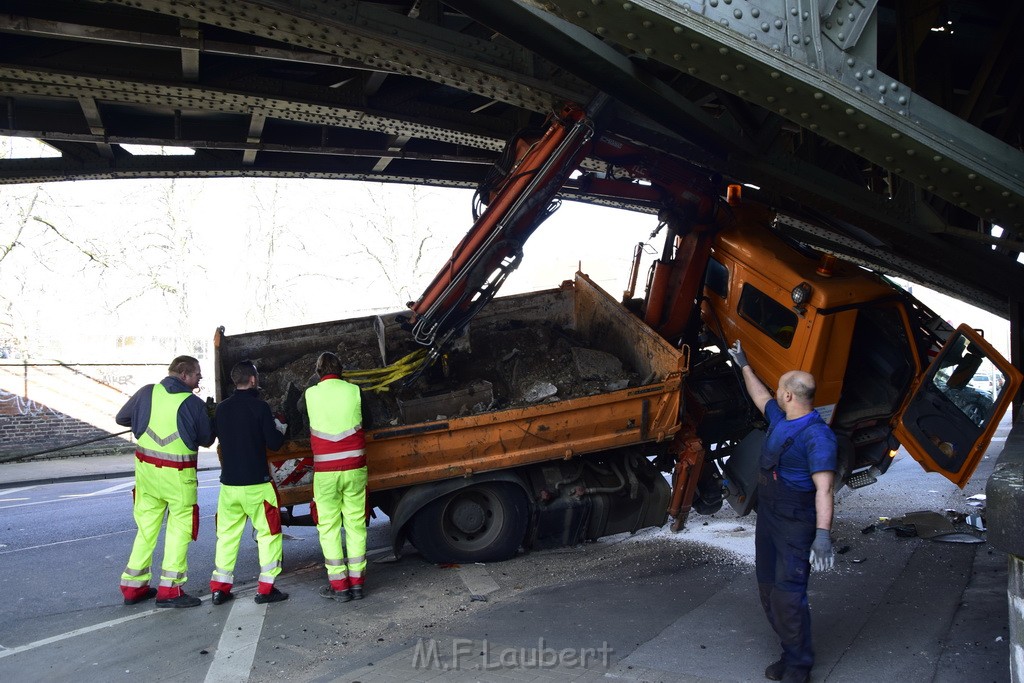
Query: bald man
{"points": [[794, 511]]}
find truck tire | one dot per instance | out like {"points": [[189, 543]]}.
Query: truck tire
{"points": [[481, 523]]}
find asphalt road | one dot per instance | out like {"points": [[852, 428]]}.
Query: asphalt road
{"points": [[649, 607]]}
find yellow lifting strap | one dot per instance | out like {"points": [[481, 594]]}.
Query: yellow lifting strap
{"points": [[378, 379]]}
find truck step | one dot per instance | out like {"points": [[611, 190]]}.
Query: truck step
{"points": [[861, 479]]}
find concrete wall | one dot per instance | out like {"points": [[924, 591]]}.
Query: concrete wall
{"points": [[46, 406], [1005, 517]]}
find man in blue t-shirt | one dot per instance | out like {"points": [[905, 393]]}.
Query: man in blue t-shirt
{"points": [[794, 511]]}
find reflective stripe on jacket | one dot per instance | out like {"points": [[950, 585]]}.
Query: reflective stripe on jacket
{"points": [[335, 425]]}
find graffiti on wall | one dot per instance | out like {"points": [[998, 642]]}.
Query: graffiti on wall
{"points": [[15, 404]]}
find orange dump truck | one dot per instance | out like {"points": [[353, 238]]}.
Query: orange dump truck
{"points": [[473, 486], [476, 467], [552, 418]]}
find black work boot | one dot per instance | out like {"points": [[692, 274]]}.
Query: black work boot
{"points": [[331, 594], [796, 674], [183, 600], [273, 596], [220, 597], [356, 592], [775, 670]]}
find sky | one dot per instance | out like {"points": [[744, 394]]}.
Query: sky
{"points": [[115, 257], [94, 260]]}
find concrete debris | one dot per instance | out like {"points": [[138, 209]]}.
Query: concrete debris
{"points": [[505, 364], [594, 364], [538, 391]]}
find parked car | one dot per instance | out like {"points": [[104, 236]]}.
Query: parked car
{"points": [[983, 383]]}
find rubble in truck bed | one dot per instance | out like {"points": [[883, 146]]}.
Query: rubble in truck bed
{"points": [[510, 365]]}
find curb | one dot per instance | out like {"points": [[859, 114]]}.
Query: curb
{"points": [[79, 477]]}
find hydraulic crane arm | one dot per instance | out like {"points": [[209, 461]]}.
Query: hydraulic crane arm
{"points": [[526, 195], [493, 247]]}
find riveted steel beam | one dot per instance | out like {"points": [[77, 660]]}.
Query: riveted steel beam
{"points": [[606, 68], [771, 52], [17, 81], [227, 166], [383, 41]]}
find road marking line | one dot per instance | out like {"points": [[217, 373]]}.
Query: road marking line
{"points": [[38, 502], [477, 579], [71, 634], [11, 500], [109, 489], [238, 641], [70, 540], [8, 492], [84, 538]]}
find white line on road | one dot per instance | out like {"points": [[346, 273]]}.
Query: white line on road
{"points": [[109, 489], [70, 540], [11, 500], [237, 647], [72, 634], [38, 502], [8, 492], [84, 538]]}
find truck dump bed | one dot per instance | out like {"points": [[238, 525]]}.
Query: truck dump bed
{"points": [[548, 375]]}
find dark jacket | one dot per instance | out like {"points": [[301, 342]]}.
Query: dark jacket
{"points": [[193, 423], [245, 427]]}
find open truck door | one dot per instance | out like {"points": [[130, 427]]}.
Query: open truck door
{"points": [[948, 421]]}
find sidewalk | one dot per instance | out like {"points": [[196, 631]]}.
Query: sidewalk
{"points": [[80, 468]]}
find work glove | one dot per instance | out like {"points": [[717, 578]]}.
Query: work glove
{"points": [[738, 357], [280, 426], [821, 551]]}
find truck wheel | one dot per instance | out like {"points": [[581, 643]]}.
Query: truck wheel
{"points": [[481, 523]]}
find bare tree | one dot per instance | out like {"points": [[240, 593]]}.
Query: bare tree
{"points": [[39, 246], [394, 244], [274, 243]]}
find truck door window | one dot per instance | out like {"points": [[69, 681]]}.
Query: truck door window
{"points": [[957, 379], [717, 278], [768, 315]]}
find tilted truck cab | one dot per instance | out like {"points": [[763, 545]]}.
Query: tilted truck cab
{"points": [[868, 343]]}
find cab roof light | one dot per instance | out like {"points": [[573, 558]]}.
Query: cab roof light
{"points": [[733, 194], [826, 265]]}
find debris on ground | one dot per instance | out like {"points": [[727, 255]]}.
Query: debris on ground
{"points": [[933, 526]]}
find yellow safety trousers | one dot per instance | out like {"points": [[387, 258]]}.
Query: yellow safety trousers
{"points": [[340, 499], [258, 504], [158, 489]]}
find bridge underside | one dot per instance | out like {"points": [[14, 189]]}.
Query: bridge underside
{"points": [[888, 131]]}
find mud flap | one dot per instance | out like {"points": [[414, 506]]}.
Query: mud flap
{"points": [[741, 471]]}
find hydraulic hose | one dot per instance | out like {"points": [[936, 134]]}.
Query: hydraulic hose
{"points": [[378, 379]]}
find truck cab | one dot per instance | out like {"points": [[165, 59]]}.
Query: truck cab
{"points": [[870, 345]]}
